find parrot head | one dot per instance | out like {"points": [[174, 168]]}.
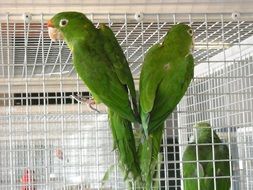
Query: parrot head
{"points": [[67, 26], [182, 35], [203, 132]]}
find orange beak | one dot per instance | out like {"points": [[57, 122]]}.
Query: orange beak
{"points": [[50, 24]]}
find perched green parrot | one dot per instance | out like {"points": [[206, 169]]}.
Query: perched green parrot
{"points": [[201, 164], [101, 64], [165, 76]]}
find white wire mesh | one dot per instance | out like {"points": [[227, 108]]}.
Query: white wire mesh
{"points": [[38, 118]]}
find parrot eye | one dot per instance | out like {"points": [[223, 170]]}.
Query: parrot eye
{"points": [[63, 22], [190, 32]]}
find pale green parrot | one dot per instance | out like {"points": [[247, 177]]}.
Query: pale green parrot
{"points": [[101, 64], [204, 163], [165, 76]]}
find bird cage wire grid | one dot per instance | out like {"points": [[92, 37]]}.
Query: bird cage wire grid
{"points": [[70, 147]]}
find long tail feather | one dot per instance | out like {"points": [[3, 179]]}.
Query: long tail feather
{"points": [[124, 142], [145, 123], [148, 155]]}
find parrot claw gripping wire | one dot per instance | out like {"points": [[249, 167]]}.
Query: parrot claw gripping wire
{"points": [[85, 100]]}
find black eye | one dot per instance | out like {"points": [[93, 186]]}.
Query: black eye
{"points": [[63, 22], [190, 32]]}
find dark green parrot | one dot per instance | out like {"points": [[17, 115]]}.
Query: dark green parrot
{"points": [[203, 165], [165, 76], [101, 64]]}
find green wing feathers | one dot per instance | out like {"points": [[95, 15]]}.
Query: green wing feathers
{"points": [[97, 72], [150, 78], [170, 91], [164, 80], [119, 62]]}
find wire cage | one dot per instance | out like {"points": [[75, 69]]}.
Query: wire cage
{"points": [[66, 146]]}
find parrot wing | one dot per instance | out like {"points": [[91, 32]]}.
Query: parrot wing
{"points": [[99, 77], [160, 88], [189, 72], [222, 168], [190, 168], [150, 79], [190, 165], [119, 62], [171, 90], [149, 82]]}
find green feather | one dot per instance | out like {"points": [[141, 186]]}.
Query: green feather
{"points": [[118, 59]]}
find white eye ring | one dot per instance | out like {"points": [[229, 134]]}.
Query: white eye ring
{"points": [[190, 31], [63, 22]]}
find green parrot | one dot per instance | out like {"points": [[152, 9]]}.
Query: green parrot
{"points": [[101, 64], [165, 76], [202, 165]]}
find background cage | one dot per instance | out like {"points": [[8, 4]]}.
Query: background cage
{"points": [[38, 116]]}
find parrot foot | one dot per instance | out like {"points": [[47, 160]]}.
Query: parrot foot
{"points": [[85, 100]]}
